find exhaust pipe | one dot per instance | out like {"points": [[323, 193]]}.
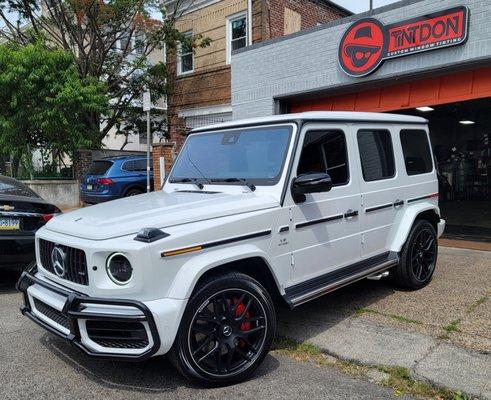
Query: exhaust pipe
{"points": [[377, 277]]}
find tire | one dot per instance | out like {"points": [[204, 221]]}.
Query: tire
{"points": [[133, 192], [418, 257], [226, 331]]}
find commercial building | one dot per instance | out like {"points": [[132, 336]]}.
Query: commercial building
{"points": [[421, 57]]}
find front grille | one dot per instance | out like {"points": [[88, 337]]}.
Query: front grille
{"points": [[75, 261], [52, 313], [118, 335]]}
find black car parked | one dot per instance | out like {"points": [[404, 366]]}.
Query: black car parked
{"points": [[22, 213]]}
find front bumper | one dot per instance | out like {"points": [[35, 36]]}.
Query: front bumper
{"points": [[16, 251], [104, 328], [440, 227]]}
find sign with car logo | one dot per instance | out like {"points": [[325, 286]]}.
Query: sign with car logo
{"points": [[58, 258], [368, 42]]}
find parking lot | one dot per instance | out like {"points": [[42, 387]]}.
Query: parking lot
{"points": [[35, 364]]}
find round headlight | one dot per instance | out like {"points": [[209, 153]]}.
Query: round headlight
{"points": [[119, 269]]}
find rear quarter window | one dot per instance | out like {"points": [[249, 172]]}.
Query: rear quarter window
{"points": [[99, 167], [376, 153], [416, 151]]}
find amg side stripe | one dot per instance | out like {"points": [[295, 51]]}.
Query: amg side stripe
{"points": [[428, 196], [192, 249], [376, 208], [318, 221]]}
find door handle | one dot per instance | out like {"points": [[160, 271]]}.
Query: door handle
{"points": [[398, 203], [350, 213]]}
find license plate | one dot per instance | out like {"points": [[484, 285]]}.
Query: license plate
{"points": [[9, 224], [89, 187]]}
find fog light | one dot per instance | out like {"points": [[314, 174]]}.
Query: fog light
{"points": [[119, 269]]}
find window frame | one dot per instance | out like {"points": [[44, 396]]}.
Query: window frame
{"points": [[230, 20], [334, 130], [180, 72], [391, 149], [428, 143]]}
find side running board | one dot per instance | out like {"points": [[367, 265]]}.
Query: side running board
{"points": [[316, 287]]}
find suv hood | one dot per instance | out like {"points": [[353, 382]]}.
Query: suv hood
{"points": [[157, 209]]}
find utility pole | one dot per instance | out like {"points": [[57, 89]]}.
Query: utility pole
{"points": [[147, 105], [371, 5]]}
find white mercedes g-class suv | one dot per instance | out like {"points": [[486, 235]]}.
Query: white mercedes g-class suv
{"points": [[253, 213]]}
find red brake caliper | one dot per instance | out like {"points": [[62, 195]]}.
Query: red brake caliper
{"points": [[245, 326]]}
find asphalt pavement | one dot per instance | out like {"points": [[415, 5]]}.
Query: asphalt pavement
{"points": [[37, 365]]}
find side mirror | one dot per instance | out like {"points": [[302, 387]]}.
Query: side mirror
{"points": [[312, 182]]}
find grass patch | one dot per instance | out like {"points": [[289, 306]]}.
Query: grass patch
{"points": [[399, 378], [452, 326], [476, 304], [400, 318]]}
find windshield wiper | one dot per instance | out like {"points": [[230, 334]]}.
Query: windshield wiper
{"points": [[190, 180], [251, 186]]}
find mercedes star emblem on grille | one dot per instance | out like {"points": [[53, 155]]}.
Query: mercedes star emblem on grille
{"points": [[58, 258]]}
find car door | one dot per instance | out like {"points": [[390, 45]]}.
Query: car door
{"points": [[326, 232], [380, 192]]}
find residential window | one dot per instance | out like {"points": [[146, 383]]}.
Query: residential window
{"points": [[376, 154], [185, 61], [416, 151], [325, 151], [126, 42], [236, 33], [140, 42]]}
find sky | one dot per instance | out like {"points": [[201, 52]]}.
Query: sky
{"points": [[353, 5], [361, 5]]}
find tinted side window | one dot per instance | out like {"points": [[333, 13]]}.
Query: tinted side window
{"points": [[128, 166], [377, 155], [140, 165], [416, 150], [325, 151]]}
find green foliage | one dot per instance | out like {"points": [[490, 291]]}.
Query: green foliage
{"points": [[45, 103], [115, 41]]}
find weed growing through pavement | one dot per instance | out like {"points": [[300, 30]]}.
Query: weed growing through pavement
{"points": [[398, 378], [400, 318]]}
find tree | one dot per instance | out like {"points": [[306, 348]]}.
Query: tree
{"points": [[110, 40], [45, 104]]}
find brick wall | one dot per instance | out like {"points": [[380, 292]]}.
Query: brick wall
{"points": [[167, 151], [312, 12], [210, 84], [260, 75]]}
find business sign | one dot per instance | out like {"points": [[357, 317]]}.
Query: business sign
{"points": [[368, 42]]}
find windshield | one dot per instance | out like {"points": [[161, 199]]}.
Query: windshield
{"points": [[253, 154]]}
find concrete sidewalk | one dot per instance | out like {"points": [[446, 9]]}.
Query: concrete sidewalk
{"points": [[440, 334]]}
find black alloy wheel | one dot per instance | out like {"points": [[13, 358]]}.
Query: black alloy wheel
{"points": [[423, 254], [226, 331], [418, 257]]}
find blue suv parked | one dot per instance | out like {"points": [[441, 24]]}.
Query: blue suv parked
{"points": [[114, 177]]}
